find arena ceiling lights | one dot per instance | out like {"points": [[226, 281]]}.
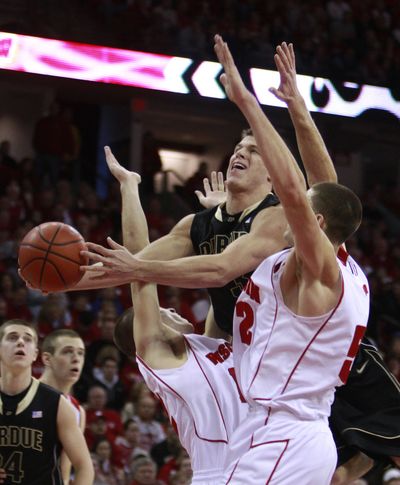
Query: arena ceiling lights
{"points": [[86, 62]]}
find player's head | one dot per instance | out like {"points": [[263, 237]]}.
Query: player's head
{"points": [[340, 208], [123, 332], [63, 354], [18, 343], [246, 170]]}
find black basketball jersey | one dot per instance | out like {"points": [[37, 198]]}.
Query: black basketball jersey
{"points": [[29, 445], [211, 232]]}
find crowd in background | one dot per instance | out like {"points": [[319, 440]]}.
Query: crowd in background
{"points": [[351, 40]]}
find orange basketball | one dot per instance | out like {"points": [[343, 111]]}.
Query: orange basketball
{"points": [[49, 256]]}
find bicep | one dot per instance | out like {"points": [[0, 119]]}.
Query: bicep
{"points": [[71, 437], [177, 244], [265, 238]]}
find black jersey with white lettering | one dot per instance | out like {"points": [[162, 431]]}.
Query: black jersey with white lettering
{"points": [[29, 445], [211, 232]]}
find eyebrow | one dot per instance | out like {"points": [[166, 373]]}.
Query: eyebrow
{"points": [[13, 333], [67, 347]]}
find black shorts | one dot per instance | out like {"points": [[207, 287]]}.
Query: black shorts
{"points": [[365, 415]]}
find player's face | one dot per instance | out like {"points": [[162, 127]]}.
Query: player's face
{"points": [[67, 361], [246, 169], [18, 347], [175, 321]]}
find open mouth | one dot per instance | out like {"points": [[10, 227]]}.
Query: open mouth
{"points": [[238, 166], [20, 353]]}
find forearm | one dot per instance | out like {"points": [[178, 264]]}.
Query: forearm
{"points": [[314, 154], [191, 272], [83, 475], [134, 224], [274, 152]]}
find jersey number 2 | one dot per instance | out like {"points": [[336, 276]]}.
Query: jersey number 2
{"points": [[243, 309], [355, 344]]}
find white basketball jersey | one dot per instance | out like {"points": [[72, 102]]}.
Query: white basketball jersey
{"points": [[293, 363], [202, 400]]}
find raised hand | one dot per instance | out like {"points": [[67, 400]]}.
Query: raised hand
{"points": [[286, 64], [119, 172], [214, 194], [230, 79]]}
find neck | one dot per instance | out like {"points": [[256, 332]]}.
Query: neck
{"points": [[239, 201], [15, 382], [49, 379]]}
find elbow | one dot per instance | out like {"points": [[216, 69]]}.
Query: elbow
{"points": [[221, 276]]}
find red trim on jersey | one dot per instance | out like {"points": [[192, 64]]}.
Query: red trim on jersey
{"points": [[209, 383], [315, 336], [342, 254], [256, 446], [280, 456], [180, 397], [270, 334], [74, 402]]}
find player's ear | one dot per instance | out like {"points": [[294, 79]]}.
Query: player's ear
{"points": [[46, 358], [321, 221]]}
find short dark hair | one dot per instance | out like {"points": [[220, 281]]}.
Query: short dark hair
{"points": [[123, 333], [17, 321], [49, 343], [247, 132], [341, 208]]}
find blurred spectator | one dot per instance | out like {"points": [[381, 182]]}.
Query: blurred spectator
{"points": [[96, 407], [127, 447], [144, 472], [106, 471], [137, 391], [151, 431], [168, 450], [106, 375], [53, 142]]}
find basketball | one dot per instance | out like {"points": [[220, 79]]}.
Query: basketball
{"points": [[49, 257]]}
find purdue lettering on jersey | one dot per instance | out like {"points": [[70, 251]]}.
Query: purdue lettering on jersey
{"points": [[15, 436], [211, 232], [29, 445]]}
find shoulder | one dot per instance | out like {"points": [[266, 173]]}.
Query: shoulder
{"points": [[48, 392], [269, 219]]}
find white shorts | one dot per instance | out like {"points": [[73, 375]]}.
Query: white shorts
{"points": [[207, 477], [280, 450]]}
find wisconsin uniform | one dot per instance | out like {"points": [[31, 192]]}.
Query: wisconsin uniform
{"points": [[29, 445], [203, 402], [287, 368], [211, 232]]}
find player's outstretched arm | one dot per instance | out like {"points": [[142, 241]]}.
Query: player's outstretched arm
{"points": [[206, 271], [316, 159], [73, 443], [153, 340], [313, 248]]}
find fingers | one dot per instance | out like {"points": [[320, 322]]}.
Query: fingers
{"points": [[214, 181], [207, 188], [221, 183], [113, 244], [97, 248], [283, 59], [278, 94], [199, 195]]}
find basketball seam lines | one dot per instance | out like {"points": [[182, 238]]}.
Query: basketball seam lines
{"points": [[54, 243], [47, 255], [49, 262], [51, 252]]}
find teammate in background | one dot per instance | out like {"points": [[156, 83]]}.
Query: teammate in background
{"points": [[299, 321], [191, 374], [36, 421], [63, 356]]}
